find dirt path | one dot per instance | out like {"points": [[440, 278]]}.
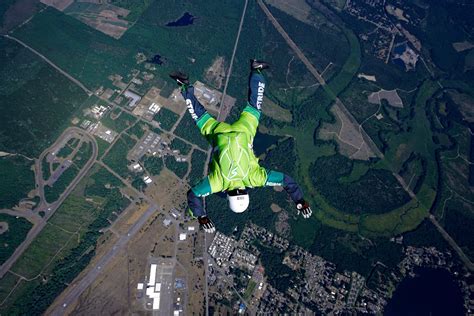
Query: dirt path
{"points": [[292, 44], [223, 114]]}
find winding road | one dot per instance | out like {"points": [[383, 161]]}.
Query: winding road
{"points": [[49, 209]]}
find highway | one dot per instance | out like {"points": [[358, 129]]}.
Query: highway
{"points": [[75, 290], [77, 82], [452, 243], [49, 209]]}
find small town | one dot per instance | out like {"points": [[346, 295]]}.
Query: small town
{"points": [[237, 276]]}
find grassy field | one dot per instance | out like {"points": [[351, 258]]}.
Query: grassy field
{"points": [[48, 244], [276, 112], [102, 146], [17, 180], [136, 7], [249, 290]]}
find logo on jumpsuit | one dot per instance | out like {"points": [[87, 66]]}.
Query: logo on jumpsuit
{"points": [[189, 105], [261, 88]]}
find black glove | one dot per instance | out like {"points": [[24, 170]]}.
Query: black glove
{"points": [[207, 224], [303, 207]]}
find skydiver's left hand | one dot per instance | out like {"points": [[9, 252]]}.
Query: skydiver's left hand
{"points": [[304, 208], [207, 224]]}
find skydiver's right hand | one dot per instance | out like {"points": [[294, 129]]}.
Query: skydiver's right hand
{"points": [[304, 208], [207, 224]]}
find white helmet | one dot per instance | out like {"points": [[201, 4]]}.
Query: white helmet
{"points": [[238, 200]]}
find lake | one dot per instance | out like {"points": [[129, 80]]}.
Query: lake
{"points": [[431, 292], [186, 19], [156, 60]]}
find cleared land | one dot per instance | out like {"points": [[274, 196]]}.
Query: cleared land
{"points": [[348, 136], [391, 97], [106, 18], [462, 46]]}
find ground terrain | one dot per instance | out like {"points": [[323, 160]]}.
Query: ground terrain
{"points": [[380, 151]]}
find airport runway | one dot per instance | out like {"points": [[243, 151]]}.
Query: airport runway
{"points": [[76, 290]]}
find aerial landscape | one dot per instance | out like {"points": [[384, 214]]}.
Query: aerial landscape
{"points": [[369, 106]]}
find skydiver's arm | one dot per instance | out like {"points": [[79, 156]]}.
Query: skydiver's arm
{"points": [[195, 195], [292, 188], [196, 206], [275, 178]]}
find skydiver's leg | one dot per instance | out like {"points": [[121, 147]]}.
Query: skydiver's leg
{"points": [[256, 89], [255, 98], [204, 121], [195, 108], [256, 83]]}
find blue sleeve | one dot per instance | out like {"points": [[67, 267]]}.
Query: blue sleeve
{"points": [[195, 204], [288, 183], [292, 188], [195, 195]]}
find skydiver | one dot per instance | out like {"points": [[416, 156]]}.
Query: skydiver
{"points": [[234, 167]]}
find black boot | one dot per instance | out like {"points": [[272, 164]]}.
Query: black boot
{"points": [[181, 78], [258, 64]]}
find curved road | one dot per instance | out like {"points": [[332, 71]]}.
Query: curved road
{"points": [[49, 209]]}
